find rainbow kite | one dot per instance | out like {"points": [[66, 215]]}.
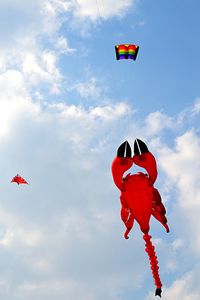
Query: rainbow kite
{"points": [[126, 51]]}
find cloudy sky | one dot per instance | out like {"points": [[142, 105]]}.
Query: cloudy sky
{"points": [[66, 105]]}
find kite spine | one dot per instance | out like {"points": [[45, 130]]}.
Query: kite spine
{"points": [[150, 249]]}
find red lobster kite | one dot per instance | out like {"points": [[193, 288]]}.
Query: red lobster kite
{"points": [[139, 198]]}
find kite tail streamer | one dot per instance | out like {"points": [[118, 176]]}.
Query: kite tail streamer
{"points": [[150, 249]]}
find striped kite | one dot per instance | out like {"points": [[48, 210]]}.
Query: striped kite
{"points": [[126, 51]]}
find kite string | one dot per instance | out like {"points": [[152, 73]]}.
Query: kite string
{"points": [[98, 9], [102, 11], [103, 8], [102, 15]]}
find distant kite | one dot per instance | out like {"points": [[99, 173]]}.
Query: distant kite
{"points": [[126, 51], [19, 180]]}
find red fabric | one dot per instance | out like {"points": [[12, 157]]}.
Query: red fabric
{"points": [[140, 200], [137, 191], [19, 180], [150, 249]]}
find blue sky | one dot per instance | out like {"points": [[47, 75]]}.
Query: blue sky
{"points": [[66, 105]]}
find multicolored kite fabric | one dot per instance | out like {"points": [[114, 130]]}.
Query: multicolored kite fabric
{"points": [[126, 51]]}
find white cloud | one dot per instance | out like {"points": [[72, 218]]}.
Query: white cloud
{"points": [[111, 112], [196, 107], [157, 121], [28, 237], [62, 45], [182, 289], [37, 69], [88, 89], [54, 7], [101, 9], [49, 289], [177, 244], [14, 100], [182, 166], [31, 25], [105, 113]]}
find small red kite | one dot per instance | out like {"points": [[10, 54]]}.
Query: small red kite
{"points": [[19, 180]]}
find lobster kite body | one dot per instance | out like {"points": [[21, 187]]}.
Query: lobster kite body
{"points": [[139, 198]]}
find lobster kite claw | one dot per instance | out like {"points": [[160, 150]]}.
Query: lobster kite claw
{"points": [[122, 162], [140, 147], [124, 150]]}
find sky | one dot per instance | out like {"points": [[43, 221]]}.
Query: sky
{"points": [[66, 104]]}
